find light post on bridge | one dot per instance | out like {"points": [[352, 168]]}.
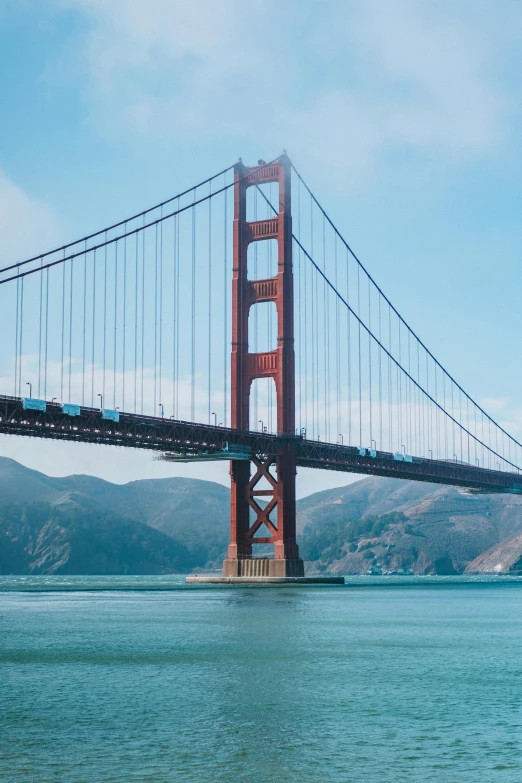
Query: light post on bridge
{"points": [[28, 383]]}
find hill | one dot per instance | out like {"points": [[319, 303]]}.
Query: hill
{"points": [[390, 525], [191, 512], [504, 558], [82, 524], [39, 538]]}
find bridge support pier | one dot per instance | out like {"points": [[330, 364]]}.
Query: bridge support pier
{"points": [[272, 520], [263, 567]]}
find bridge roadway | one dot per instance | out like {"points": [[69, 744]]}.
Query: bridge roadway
{"points": [[204, 441]]}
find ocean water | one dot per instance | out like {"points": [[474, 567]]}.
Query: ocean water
{"points": [[123, 679]]}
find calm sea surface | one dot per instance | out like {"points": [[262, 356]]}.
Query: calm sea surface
{"points": [[143, 679]]}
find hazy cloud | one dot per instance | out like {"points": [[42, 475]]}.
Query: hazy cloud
{"points": [[26, 224], [344, 86]]}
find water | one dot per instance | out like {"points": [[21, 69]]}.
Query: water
{"points": [[143, 679]]}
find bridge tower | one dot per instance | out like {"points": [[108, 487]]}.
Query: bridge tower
{"points": [[278, 469]]}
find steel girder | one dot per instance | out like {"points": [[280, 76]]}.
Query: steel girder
{"points": [[164, 435]]}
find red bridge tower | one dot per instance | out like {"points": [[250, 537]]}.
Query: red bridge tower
{"points": [[278, 469]]}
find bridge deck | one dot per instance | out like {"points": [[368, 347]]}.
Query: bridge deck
{"points": [[168, 435]]}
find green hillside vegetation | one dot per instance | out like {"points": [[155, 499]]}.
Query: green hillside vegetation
{"points": [[332, 539], [390, 525], [38, 538], [84, 525]]}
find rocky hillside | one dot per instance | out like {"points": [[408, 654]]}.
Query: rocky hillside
{"points": [[504, 558], [81, 524], [39, 538], [391, 525], [38, 512]]}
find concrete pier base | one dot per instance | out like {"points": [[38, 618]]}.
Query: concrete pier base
{"points": [[263, 567], [266, 581], [264, 572]]}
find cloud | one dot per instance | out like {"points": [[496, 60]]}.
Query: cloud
{"points": [[27, 225], [507, 412], [344, 87]]}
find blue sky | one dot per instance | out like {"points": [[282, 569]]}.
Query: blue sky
{"points": [[403, 116]]}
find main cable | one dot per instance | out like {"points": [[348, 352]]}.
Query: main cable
{"points": [[126, 234], [392, 308], [357, 259], [118, 224]]}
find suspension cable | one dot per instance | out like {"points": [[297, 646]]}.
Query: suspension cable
{"points": [[118, 224], [357, 259], [126, 233], [392, 308]]}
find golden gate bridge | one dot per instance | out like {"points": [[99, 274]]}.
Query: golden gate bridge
{"points": [[234, 322]]}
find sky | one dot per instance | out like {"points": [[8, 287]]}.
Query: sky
{"points": [[404, 117]]}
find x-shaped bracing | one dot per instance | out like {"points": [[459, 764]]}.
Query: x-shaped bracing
{"points": [[262, 514]]}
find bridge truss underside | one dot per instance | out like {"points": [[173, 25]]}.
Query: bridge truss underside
{"points": [[192, 441]]}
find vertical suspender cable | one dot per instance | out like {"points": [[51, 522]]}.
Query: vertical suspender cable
{"points": [[46, 329], [445, 417], [390, 387], [124, 330], [115, 344], [349, 345], [359, 353], [409, 400], [437, 429], [71, 303], [63, 330], [84, 331], [104, 316], [313, 293], [154, 409], [467, 426], [337, 349], [143, 315], [135, 370], [299, 310], [160, 401], [399, 390], [193, 318], [370, 362], [209, 368], [174, 315], [380, 374], [175, 361], [16, 333], [225, 293], [325, 339], [428, 406], [452, 423], [40, 330], [21, 337], [93, 357], [305, 346]]}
